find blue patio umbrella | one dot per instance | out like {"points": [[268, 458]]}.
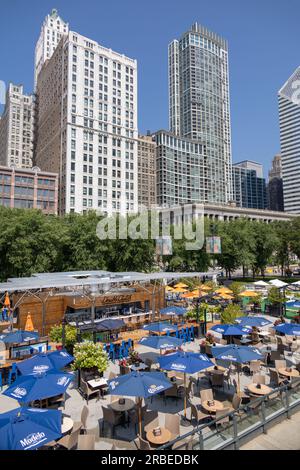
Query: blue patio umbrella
{"points": [[139, 384], [188, 363], [161, 342], [288, 329], [293, 304], [249, 322], [237, 354], [173, 311], [160, 327], [231, 330], [28, 388], [29, 428], [45, 362], [18, 336]]}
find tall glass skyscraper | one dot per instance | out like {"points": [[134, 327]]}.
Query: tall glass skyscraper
{"points": [[199, 104], [289, 117]]}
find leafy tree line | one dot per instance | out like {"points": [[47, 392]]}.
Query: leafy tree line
{"points": [[31, 241]]}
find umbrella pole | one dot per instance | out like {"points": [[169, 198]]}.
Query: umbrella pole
{"points": [[184, 395], [239, 384], [140, 416]]}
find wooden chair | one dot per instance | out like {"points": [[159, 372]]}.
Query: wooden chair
{"points": [[254, 367], [206, 395], [110, 417], [221, 417], [259, 379], [197, 414], [280, 364], [69, 442], [86, 442], [87, 391], [172, 423]]}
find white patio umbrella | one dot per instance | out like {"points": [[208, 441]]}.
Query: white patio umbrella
{"points": [[278, 283], [261, 284]]}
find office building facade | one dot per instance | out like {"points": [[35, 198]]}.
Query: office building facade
{"points": [[289, 118], [249, 186], [199, 107], [181, 170], [146, 171], [16, 128], [28, 189], [87, 126]]}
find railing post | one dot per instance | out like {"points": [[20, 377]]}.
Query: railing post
{"points": [[287, 403], [201, 441], [235, 433], [263, 413]]}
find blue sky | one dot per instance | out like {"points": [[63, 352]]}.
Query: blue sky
{"points": [[263, 40]]}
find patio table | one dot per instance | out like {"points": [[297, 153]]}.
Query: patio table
{"points": [[264, 390], [67, 425], [141, 366], [286, 373], [163, 438], [217, 406], [128, 405]]}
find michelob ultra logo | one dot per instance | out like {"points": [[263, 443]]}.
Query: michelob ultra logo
{"points": [[62, 381], [40, 368], [32, 440], [178, 366]]}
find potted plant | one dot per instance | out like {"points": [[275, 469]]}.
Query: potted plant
{"points": [[134, 358], [90, 359], [55, 335]]}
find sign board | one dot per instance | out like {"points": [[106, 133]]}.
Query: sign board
{"points": [[164, 246], [213, 245]]}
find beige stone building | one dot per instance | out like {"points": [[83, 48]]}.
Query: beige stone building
{"points": [[146, 171]]}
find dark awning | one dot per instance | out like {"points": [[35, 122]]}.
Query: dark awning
{"points": [[104, 325]]}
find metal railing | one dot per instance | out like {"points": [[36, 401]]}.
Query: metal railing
{"points": [[238, 425]]}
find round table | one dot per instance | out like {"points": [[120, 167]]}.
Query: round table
{"points": [[128, 405], [220, 369], [264, 390], [286, 373], [141, 366], [217, 406], [67, 425], [216, 371], [164, 437]]}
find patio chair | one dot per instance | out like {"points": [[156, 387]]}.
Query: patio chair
{"points": [[254, 405], [275, 355], [141, 444], [254, 367], [83, 419], [69, 442], [190, 389], [237, 341], [217, 380], [87, 391], [181, 445], [275, 380], [110, 417], [172, 423], [86, 442], [206, 394], [259, 379], [197, 414], [133, 415], [295, 382], [151, 420], [171, 392], [221, 417], [208, 350], [148, 363], [280, 364], [227, 377]]}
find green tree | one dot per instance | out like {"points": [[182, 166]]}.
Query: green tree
{"points": [[89, 355], [231, 313], [266, 243]]}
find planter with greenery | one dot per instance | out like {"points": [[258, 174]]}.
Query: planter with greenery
{"points": [[55, 335], [90, 357]]}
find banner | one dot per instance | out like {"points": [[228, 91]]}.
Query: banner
{"points": [[164, 246], [213, 245]]}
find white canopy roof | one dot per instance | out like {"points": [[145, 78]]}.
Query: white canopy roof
{"points": [[278, 283]]}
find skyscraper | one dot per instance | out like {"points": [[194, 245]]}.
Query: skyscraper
{"points": [[87, 125], [199, 106], [275, 187], [249, 185], [16, 128], [52, 30], [146, 171], [289, 118]]}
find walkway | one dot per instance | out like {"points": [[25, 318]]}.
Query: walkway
{"points": [[283, 436]]}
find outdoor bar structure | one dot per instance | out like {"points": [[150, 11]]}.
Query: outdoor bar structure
{"points": [[85, 297]]}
